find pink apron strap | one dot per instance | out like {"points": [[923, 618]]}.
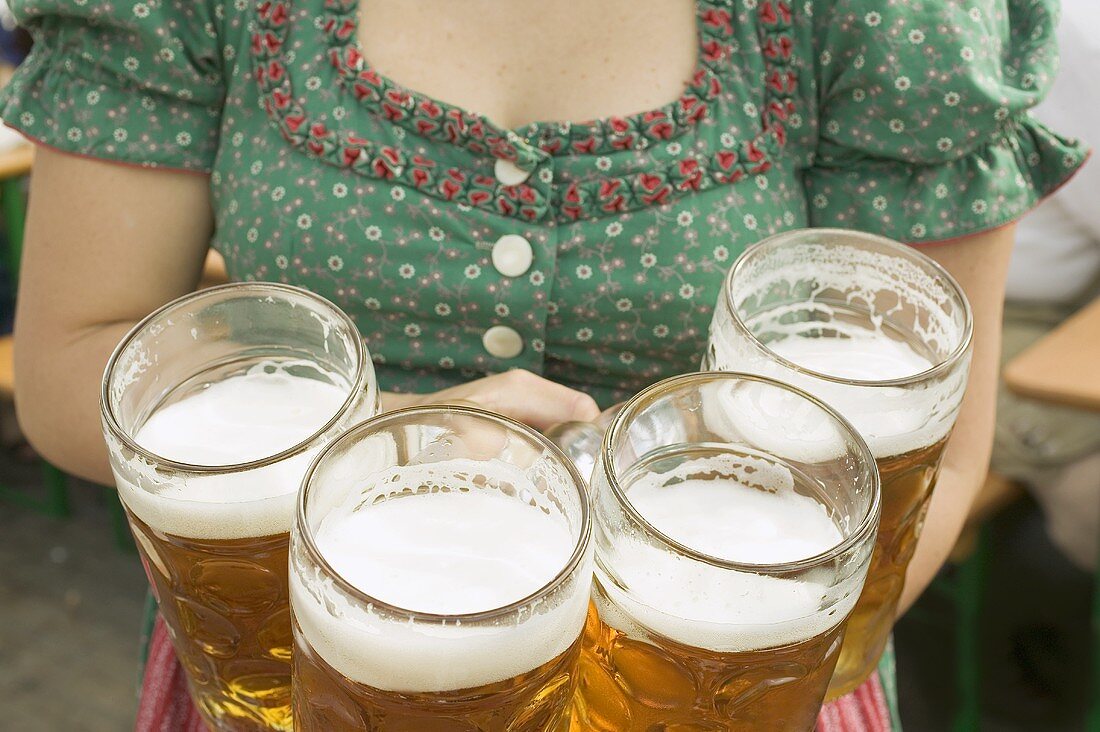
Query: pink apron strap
{"points": [[864, 710], [165, 704]]}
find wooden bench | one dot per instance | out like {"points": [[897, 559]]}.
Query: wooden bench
{"points": [[1063, 366]]}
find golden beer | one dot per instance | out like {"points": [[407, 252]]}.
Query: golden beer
{"points": [[735, 519], [325, 699], [881, 333], [907, 482], [642, 681], [440, 575], [229, 599], [213, 408]]}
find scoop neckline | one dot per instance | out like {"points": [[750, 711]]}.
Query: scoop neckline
{"points": [[387, 143], [713, 25]]}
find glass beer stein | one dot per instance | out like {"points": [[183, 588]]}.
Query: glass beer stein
{"points": [[882, 334], [734, 523], [213, 407], [441, 569]]}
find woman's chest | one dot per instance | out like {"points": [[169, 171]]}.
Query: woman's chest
{"points": [[610, 302], [591, 252], [530, 60]]}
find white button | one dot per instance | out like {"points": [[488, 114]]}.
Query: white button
{"points": [[509, 173], [512, 255], [502, 342]]}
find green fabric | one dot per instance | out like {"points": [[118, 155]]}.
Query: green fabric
{"points": [[906, 119], [888, 672]]}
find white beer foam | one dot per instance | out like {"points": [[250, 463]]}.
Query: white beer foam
{"points": [[862, 355], [240, 419], [463, 547], [873, 282], [772, 420], [720, 609], [729, 520], [446, 553], [892, 419], [880, 286]]}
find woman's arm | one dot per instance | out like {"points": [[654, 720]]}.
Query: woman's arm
{"points": [[105, 245], [108, 244], [980, 264]]}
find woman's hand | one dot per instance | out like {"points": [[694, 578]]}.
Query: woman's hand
{"points": [[519, 394]]}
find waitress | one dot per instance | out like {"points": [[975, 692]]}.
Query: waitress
{"points": [[528, 205]]}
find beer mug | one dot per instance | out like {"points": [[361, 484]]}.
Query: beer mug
{"points": [[213, 407], [882, 334], [440, 573], [734, 523]]}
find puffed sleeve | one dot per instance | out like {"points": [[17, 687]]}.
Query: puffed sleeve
{"points": [[132, 82], [924, 128]]}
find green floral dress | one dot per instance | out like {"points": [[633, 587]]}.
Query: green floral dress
{"points": [[590, 253]]}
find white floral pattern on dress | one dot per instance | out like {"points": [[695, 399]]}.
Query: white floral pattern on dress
{"points": [[911, 123]]}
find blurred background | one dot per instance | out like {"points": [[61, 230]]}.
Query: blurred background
{"points": [[1008, 638]]}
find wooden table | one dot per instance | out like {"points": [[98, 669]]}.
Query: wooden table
{"points": [[1063, 366], [16, 161]]}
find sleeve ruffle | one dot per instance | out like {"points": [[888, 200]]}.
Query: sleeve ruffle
{"points": [[925, 132], [990, 186], [112, 87]]}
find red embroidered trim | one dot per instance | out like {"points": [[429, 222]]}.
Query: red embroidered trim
{"points": [[442, 122], [534, 199]]}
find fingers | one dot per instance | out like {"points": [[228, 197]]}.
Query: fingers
{"points": [[542, 403], [525, 397], [392, 400]]}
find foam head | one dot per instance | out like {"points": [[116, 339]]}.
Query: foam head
{"points": [[859, 310], [893, 420], [446, 553], [230, 388], [778, 422], [247, 417], [763, 520], [455, 552]]}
